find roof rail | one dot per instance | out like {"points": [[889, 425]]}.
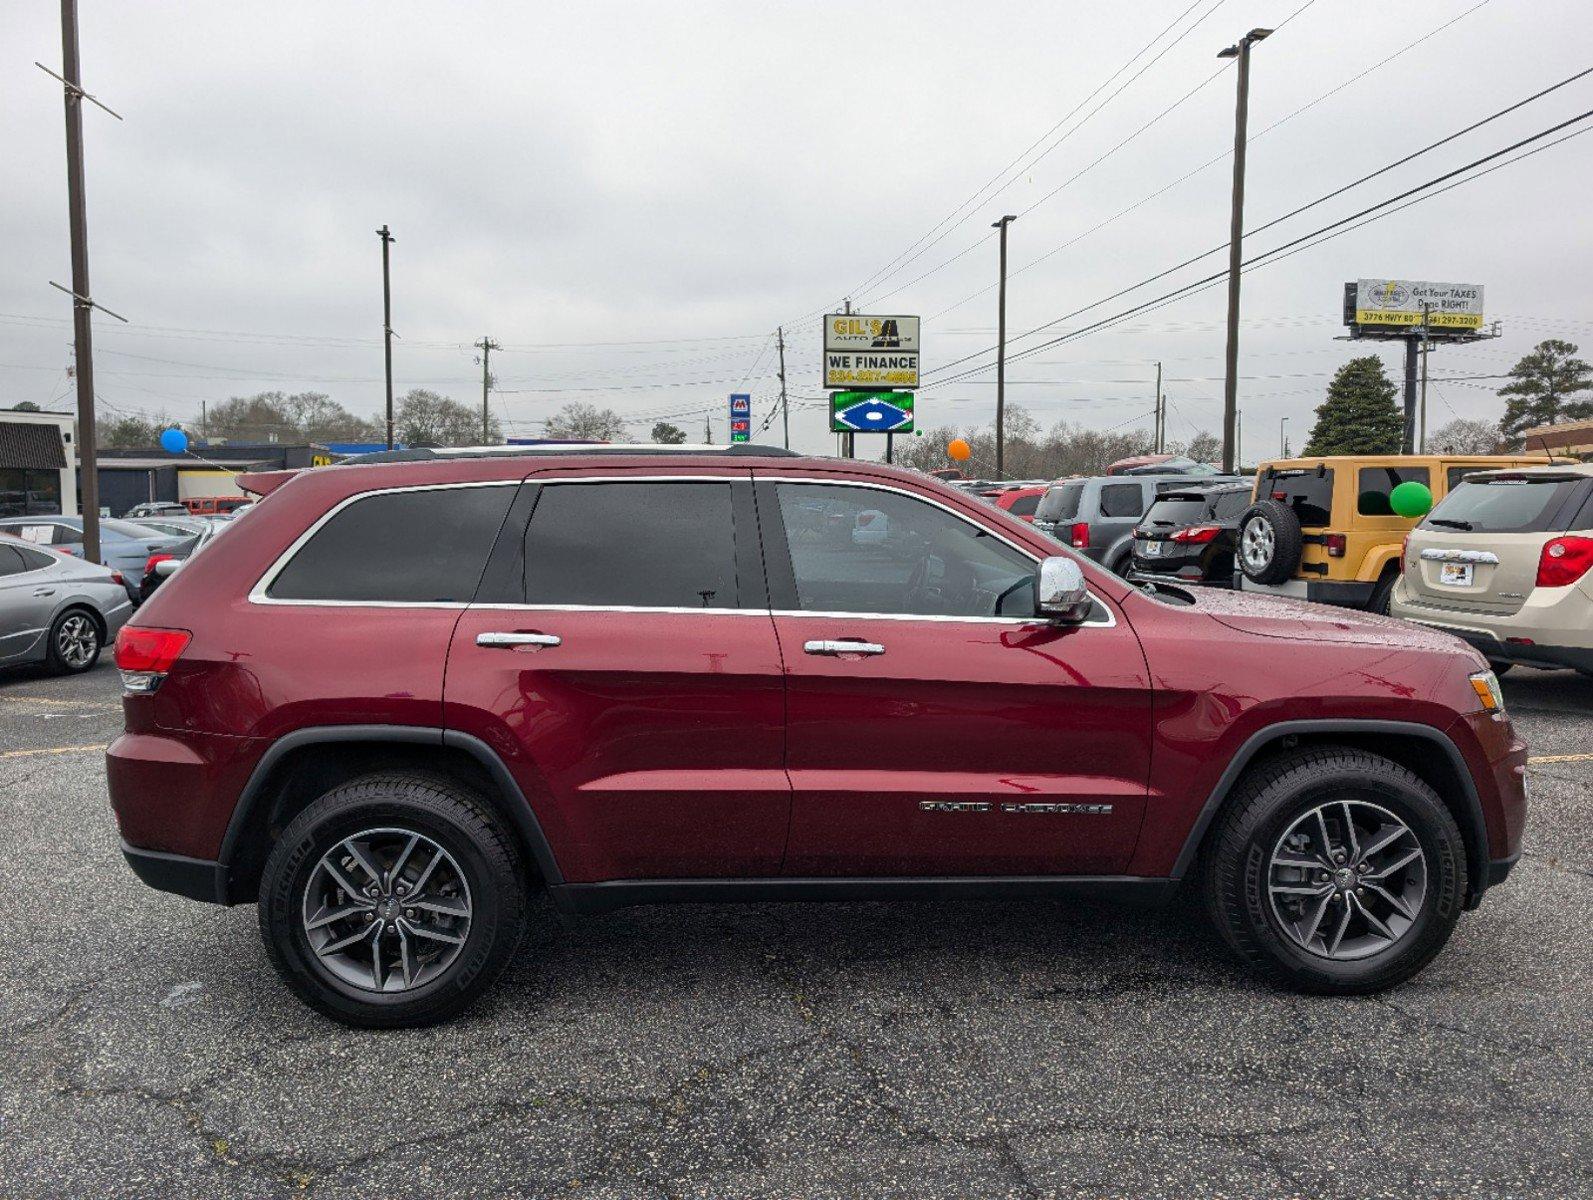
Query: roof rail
{"points": [[560, 449]]}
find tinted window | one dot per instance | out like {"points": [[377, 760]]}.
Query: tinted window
{"points": [[35, 560], [640, 545], [1024, 506], [399, 546], [1178, 510], [1505, 506], [1060, 503], [1230, 505], [1371, 498], [1310, 495], [894, 554], [1122, 500], [11, 562]]}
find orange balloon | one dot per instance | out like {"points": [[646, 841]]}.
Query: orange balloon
{"points": [[958, 450]]}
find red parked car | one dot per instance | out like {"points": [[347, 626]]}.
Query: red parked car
{"points": [[405, 693], [1021, 502]]}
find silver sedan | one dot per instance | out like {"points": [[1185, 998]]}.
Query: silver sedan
{"points": [[55, 609]]}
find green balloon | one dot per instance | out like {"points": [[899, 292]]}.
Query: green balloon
{"points": [[1411, 499]]}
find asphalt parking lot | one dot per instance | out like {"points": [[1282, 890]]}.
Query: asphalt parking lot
{"points": [[1024, 1050]]}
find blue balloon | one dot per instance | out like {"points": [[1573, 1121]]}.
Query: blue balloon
{"points": [[173, 441]]}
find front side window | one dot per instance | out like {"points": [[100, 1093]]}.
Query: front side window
{"points": [[40, 533], [1024, 506], [633, 545], [417, 547], [895, 555], [1122, 500], [1371, 497]]}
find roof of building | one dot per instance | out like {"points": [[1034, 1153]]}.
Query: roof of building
{"points": [[31, 446]]}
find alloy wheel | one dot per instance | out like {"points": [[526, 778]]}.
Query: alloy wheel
{"points": [[1257, 543], [387, 910], [77, 641], [1347, 880]]}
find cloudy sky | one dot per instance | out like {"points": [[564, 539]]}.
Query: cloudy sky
{"points": [[631, 197]]}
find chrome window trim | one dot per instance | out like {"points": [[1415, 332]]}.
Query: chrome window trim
{"points": [[1435, 554], [257, 594], [1111, 614]]}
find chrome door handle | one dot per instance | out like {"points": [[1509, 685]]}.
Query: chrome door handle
{"points": [[510, 640], [844, 646]]}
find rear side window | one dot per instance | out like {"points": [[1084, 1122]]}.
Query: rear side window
{"points": [[11, 561], [1060, 503], [1371, 496], [1122, 500], [408, 547], [1507, 506], [633, 545], [1308, 494]]}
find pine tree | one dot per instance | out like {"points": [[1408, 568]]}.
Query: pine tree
{"points": [[1359, 415], [1542, 383]]}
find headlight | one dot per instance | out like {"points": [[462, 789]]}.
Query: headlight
{"points": [[1486, 685]]}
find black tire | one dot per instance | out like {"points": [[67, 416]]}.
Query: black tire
{"points": [[1262, 808], [1378, 602], [450, 816], [81, 630], [1288, 541]]}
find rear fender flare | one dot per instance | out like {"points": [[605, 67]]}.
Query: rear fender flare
{"points": [[515, 805]]}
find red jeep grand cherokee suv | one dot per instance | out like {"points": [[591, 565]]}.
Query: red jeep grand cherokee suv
{"points": [[404, 693]]}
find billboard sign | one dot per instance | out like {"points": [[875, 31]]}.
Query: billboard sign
{"points": [[1391, 303], [871, 412], [866, 352], [740, 416]]}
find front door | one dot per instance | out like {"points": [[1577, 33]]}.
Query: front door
{"points": [[935, 727], [621, 660]]}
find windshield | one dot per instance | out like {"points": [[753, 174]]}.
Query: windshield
{"points": [[1522, 505], [1061, 503]]}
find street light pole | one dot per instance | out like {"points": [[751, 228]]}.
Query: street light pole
{"points": [[1236, 233], [1283, 437], [1001, 350]]}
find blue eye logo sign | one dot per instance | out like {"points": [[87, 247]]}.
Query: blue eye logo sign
{"points": [[871, 412]]}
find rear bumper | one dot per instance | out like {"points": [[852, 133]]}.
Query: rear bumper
{"points": [[1352, 593], [1529, 656], [196, 878]]}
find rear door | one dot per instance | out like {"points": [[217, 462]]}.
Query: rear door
{"points": [[1479, 549], [26, 601], [935, 726], [621, 659]]}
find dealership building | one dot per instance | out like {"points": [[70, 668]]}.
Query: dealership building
{"points": [[38, 452]]}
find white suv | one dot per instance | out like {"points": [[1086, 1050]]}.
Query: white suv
{"points": [[1506, 562]]}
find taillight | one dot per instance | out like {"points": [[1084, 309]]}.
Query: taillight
{"points": [[149, 565], [1404, 549], [116, 577], [1564, 560], [1198, 534], [1336, 544], [1079, 535], [144, 655]]}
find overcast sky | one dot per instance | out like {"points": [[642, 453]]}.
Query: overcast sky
{"points": [[677, 179]]}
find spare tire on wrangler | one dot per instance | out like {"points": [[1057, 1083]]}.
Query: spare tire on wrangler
{"points": [[1270, 542]]}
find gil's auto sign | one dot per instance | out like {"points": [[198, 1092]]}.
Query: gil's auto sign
{"points": [[1396, 302], [863, 352]]}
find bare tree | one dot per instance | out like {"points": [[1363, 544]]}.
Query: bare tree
{"points": [[426, 418], [583, 422], [1463, 436]]}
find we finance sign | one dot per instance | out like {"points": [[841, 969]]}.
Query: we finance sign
{"points": [[863, 351]]}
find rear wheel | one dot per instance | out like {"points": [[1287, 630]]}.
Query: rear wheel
{"points": [[393, 901], [74, 642], [1334, 870]]}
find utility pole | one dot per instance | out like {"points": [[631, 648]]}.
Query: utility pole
{"points": [[387, 325], [1236, 233], [82, 297], [1421, 442], [1407, 441], [1001, 350], [1159, 440], [785, 405], [707, 430], [486, 345]]}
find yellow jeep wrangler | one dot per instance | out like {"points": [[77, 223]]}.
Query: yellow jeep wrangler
{"points": [[1325, 529]]}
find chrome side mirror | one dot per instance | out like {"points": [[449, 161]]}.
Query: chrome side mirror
{"points": [[1060, 593]]}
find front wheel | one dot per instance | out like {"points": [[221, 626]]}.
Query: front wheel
{"points": [[1335, 870], [393, 901]]}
